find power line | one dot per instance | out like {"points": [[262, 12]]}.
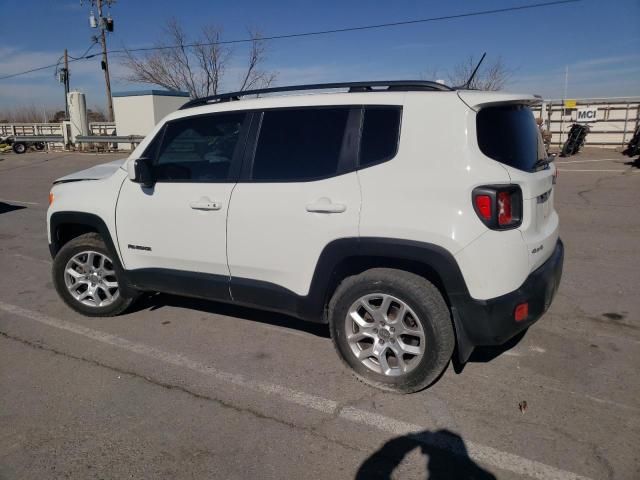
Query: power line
{"points": [[323, 32], [84, 55], [354, 29]]}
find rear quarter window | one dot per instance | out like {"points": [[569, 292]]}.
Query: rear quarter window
{"points": [[380, 134], [510, 135]]}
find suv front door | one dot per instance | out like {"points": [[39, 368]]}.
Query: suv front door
{"points": [[176, 230]]}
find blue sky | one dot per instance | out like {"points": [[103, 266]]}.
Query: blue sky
{"points": [[599, 41]]}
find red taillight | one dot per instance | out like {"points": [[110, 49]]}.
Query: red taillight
{"points": [[498, 206], [483, 206], [504, 208], [521, 313]]}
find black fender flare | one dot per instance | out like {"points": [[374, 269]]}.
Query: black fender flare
{"points": [[58, 219], [433, 257]]}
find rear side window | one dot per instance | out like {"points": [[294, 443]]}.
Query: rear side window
{"points": [[380, 134], [509, 135], [300, 144], [198, 149]]}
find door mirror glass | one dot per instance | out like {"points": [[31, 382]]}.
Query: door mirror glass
{"points": [[140, 172]]}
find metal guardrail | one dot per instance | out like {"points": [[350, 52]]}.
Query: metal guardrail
{"points": [[81, 138], [39, 138], [52, 133], [109, 139], [33, 129]]}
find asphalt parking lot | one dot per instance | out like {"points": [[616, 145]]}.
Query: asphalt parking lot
{"points": [[182, 388]]}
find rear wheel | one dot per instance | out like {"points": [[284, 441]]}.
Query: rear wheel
{"points": [[85, 277], [39, 146], [392, 328]]}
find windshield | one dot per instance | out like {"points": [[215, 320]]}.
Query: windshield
{"points": [[509, 134]]}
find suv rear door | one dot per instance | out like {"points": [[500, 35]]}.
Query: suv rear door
{"points": [[178, 227], [297, 193]]}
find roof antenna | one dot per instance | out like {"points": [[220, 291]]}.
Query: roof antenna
{"points": [[466, 85]]}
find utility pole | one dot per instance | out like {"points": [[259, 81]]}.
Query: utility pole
{"points": [[105, 60], [66, 84]]}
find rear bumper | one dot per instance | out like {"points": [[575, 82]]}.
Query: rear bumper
{"points": [[492, 322]]}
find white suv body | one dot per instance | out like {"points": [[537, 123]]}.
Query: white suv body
{"points": [[276, 202]]}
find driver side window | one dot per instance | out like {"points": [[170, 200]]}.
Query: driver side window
{"points": [[198, 149]]}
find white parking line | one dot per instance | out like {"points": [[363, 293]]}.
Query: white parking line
{"points": [[32, 259], [18, 201], [478, 452], [587, 161], [572, 170]]}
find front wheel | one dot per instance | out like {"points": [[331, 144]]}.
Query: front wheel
{"points": [[85, 277], [392, 328]]}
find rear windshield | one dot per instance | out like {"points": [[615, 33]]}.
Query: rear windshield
{"points": [[509, 134]]}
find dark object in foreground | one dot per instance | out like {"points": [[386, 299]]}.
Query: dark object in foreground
{"points": [[447, 454], [633, 148], [575, 140]]}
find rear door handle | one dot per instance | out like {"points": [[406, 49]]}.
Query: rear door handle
{"points": [[205, 204], [324, 205]]}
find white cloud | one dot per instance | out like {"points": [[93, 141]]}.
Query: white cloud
{"points": [[42, 88], [611, 60]]}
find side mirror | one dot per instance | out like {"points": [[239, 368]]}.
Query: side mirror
{"points": [[140, 172]]}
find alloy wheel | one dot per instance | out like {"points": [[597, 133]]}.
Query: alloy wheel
{"points": [[384, 334], [91, 279]]}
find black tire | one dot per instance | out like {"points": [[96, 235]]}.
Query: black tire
{"points": [[86, 242], [419, 295], [19, 147], [39, 146]]}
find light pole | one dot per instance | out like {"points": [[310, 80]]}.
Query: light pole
{"points": [[105, 25], [64, 79]]}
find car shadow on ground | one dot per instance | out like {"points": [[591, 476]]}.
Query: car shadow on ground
{"points": [[156, 301], [160, 300], [446, 458], [7, 207]]}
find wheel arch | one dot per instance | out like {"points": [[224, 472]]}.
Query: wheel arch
{"points": [[345, 257], [351, 256], [65, 226]]}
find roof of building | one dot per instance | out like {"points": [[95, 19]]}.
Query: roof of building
{"points": [[158, 93]]}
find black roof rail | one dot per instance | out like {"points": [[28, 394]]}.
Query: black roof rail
{"points": [[377, 85]]}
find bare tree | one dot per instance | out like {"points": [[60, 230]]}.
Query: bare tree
{"points": [[26, 114], [196, 65], [490, 76], [253, 76]]}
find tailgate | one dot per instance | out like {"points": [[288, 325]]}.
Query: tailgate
{"points": [[539, 220], [507, 133]]}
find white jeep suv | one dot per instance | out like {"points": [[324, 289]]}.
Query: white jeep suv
{"points": [[415, 219]]}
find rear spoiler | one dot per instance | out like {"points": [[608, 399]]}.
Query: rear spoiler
{"points": [[476, 99]]}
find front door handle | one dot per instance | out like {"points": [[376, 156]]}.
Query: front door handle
{"points": [[325, 205], [205, 204]]}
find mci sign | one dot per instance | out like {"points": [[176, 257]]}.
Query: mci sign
{"points": [[587, 114]]}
